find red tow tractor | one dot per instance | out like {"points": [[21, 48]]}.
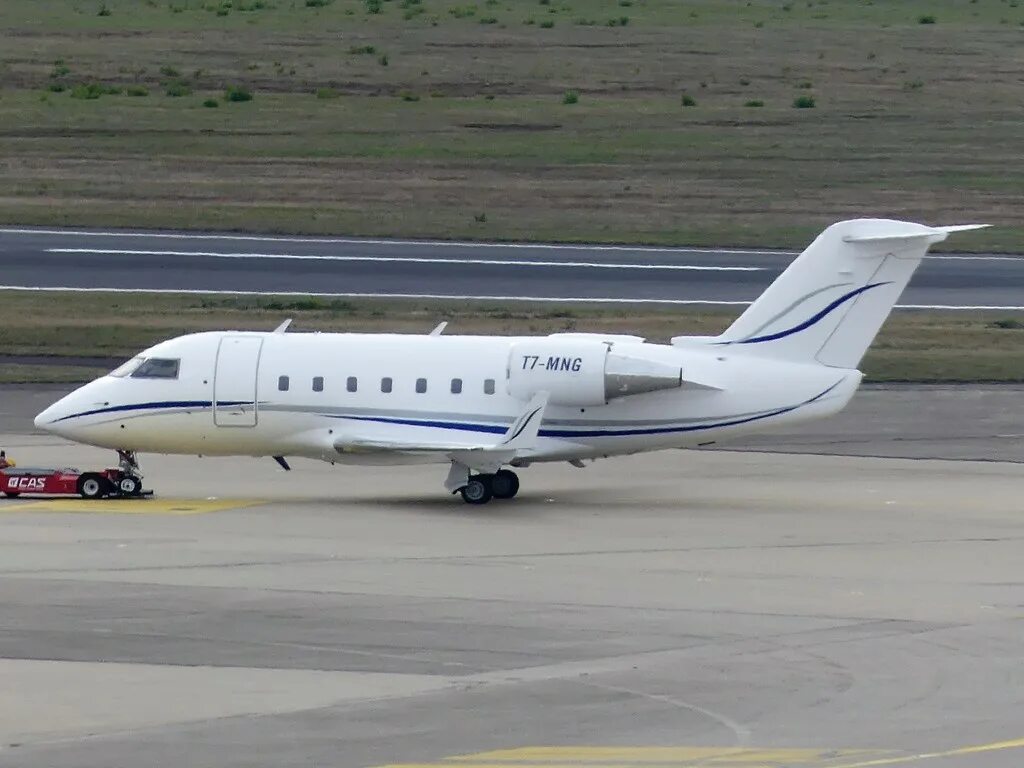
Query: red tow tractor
{"points": [[122, 481]]}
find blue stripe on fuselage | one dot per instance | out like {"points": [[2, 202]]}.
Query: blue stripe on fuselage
{"points": [[154, 406], [484, 428]]}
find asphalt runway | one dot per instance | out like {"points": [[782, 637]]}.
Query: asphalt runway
{"points": [[182, 261], [686, 608]]}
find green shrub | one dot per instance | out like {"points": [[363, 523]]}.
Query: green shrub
{"points": [[1009, 324], [409, 96], [87, 91], [318, 3], [137, 90], [211, 103], [462, 11], [59, 70], [56, 87], [754, 103], [488, 20], [362, 50], [372, 6], [177, 89], [547, 24], [571, 97], [803, 102], [383, 60], [480, 218], [926, 19], [237, 93], [326, 93], [104, 10], [687, 100]]}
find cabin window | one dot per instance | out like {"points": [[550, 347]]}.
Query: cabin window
{"points": [[283, 383], [318, 383], [488, 386], [157, 368], [456, 386], [353, 384], [421, 386], [385, 384]]}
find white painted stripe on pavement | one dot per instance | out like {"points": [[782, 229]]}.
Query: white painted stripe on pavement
{"points": [[463, 243], [408, 260], [968, 257], [456, 297], [385, 241]]}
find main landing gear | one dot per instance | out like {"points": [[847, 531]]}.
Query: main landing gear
{"points": [[503, 484]]}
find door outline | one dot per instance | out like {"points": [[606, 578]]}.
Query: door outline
{"points": [[237, 411]]}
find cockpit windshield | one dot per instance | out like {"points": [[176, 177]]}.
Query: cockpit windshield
{"points": [[157, 368], [148, 368], [126, 369]]}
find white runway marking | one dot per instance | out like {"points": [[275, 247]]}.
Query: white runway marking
{"points": [[968, 257], [418, 243], [409, 260], [457, 297]]}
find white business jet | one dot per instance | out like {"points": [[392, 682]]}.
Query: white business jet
{"points": [[483, 404]]}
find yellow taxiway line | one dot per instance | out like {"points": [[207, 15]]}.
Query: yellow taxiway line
{"points": [[138, 506], [698, 757]]}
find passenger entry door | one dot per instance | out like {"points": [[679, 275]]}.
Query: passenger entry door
{"points": [[234, 381]]}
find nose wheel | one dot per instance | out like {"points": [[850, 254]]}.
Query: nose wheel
{"points": [[480, 489]]}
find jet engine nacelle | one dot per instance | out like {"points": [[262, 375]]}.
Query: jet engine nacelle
{"points": [[583, 372]]}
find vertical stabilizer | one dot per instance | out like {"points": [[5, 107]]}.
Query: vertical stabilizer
{"points": [[831, 301]]}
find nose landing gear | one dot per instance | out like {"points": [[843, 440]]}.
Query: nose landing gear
{"points": [[129, 481]]}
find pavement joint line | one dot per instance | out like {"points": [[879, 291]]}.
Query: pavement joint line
{"points": [[459, 297]]}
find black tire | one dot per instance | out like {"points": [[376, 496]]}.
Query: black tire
{"points": [[129, 485], [92, 486], [12, 494], [477, 490], [505, 484]]}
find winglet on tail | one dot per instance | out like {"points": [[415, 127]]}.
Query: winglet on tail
{"points": [[829, 304], [523, 432]]}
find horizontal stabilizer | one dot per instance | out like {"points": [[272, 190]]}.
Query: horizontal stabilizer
{"points": [[934, 234]]}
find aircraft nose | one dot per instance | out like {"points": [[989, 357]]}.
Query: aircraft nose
{"points": [[45, 420]]}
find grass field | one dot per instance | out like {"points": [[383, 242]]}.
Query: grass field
{"points": [[448, 118], [913, 346]]}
